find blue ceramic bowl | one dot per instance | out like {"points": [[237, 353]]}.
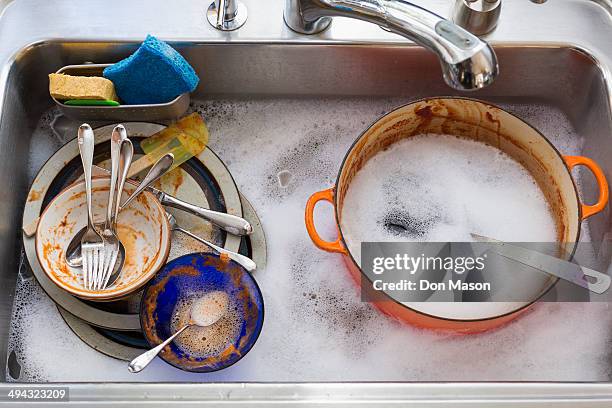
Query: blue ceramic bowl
{"points": [[191, 276]]}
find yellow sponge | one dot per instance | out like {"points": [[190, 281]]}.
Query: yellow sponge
{"points": [[64, 87]]}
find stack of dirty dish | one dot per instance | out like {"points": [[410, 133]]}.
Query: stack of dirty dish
{"points": [[107, 236], [101, 238]]}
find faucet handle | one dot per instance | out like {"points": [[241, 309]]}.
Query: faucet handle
{"points": [[227, 15], [477, 16]]}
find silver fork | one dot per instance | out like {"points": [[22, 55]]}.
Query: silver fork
{"points": [[92, 244]]}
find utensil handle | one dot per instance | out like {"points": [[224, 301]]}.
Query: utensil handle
{"points": [[335, 246], [115, 151], [602, 183], [160, 167], [126, 154], [246, 262], [86, 142], [139, 363], [227, 222]]}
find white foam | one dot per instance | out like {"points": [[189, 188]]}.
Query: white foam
{"points": [[439, 188], [209, 308], [218, 323], [316, 328]]}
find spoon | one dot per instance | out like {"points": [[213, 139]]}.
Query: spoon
{"points": [[161, 166], [126, 152], [246, 262], [112, 246], [205, 311]]}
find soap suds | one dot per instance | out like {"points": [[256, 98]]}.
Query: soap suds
{"points": [[316, 327], [219, 322], [439, 188]]}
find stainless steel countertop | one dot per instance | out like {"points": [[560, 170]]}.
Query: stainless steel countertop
{"points": [[582, 23]]}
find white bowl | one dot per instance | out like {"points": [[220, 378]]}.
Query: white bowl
{"points": [[142, 227]]}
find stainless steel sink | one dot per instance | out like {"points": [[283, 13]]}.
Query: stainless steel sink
{"points": [[555, 56]]}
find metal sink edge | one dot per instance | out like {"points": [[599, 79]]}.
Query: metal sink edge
{"points": [[342, 394]]}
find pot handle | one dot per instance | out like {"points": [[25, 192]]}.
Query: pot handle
{"points": [[327, 195], [588, 210]]}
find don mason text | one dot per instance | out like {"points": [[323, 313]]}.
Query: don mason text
{"points": [[424, 284]]}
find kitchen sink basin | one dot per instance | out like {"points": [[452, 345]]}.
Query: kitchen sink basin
{"points": [[568, 83], [255, 89]]}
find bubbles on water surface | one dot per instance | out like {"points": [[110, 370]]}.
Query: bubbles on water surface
{"points": [[441, 188], [284, 178], [208, 340], [316, 328], [401, 225]]}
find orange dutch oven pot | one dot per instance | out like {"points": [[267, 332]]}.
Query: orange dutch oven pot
{"points": [[479, 121]]}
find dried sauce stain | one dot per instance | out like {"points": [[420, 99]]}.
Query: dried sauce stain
{"points": [[424, 112], [143, 199], [49, 249], [65, 227], [77, 196], [129, 237], [34, 195], [172, 181], [497, 122], [61, 265], [81, 194], [137, 212]]}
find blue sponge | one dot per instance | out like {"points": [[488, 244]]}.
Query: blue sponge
{"points": [[155, 73]]}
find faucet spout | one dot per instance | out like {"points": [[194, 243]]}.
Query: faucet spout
{"points": [[468, 63]]}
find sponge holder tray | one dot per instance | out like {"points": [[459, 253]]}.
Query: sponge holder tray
{"points": [[146, 112]]}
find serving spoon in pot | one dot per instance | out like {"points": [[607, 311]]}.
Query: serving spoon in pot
{"points": [[582, 276], [205, 311], [161, 166]]}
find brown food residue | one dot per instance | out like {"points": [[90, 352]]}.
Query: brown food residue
{"points": [[34, 195], [424, 112]]}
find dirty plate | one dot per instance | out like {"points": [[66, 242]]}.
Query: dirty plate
{"points": [[166, 305]]}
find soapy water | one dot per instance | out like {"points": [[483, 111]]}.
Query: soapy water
{"points": [[284, 178], [316, 327], [212, 336], [439, 188]]}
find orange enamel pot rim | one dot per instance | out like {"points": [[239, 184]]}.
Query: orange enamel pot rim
{"points": [[339, 245]]}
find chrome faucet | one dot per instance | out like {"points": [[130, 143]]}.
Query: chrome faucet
{"points": [[226, 15], [468, 63]]}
